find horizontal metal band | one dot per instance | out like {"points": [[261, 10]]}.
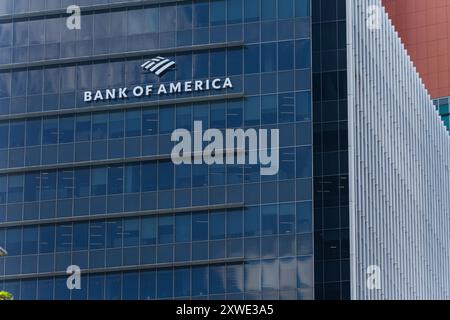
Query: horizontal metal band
{"points": [[87, 9], [106, 162], [125, 106], [117, 56], [145, 267], [92, 163], [110, 216]]}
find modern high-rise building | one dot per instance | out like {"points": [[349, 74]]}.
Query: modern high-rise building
{"points": [[355, 206], [424, 27]]}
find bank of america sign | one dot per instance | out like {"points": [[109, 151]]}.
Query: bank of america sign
{"points": [[159, 66]]}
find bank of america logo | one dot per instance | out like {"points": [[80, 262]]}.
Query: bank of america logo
{"points": [[158, 65]]}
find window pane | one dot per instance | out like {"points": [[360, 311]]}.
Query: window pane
{"points": [[98, 182], [115, 180], [131, 233], [34, 132], [148, 231], [47, 239]]}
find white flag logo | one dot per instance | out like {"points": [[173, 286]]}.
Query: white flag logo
{"points": [[158, 65]]}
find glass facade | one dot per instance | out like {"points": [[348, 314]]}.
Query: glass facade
{"points": [[331, 173], [442, 106], [92, 184]]}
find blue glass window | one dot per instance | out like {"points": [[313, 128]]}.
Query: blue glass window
{"points": [[269, 57], [184, 67], [96, 287], [201, 14], [3, 189], [130, 286], [17, 134], [80, 236], [47, 239], [216, 279], [304, 217], [252, 221], [234, 62], [114, 231], [132, 178], [165, 230], [269, 109], [166, 119], [97, 235], [218, 12], [149, 177], [133, 123], [51, 80], [268, 9], [252, 61], [217, 63], [35, 81], [304, 162], [45, 289], [165, 284], [115, 180], [217, 225], [147, 285], [131, 232], [302, 8], [234, 11], [65, 184], [166, 175], [48, 185], [287, 219], [113, 285], [285, 55], [82, 182], [50, 131], [98, 183], [32, 186], [14, 241], [15, 188], [183, 228], [251, 10], [167, 16], [34, 132], [184, 16], [83, 128], [5, 35], [303, 106], [199, 226], [29, 289], [269, 220], [201, 65], [4, 127], [150, 122], [148, 231], [30, 240], [182, 282], [200, 281], [18, 84], [234, 223], [303, 54], [116, 125], [63, 238], [285, 9], [99, 126]]}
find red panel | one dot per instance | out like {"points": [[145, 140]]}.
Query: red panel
{"points": [[424, 27]]}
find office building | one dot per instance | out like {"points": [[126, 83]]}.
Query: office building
{"points": [[88, 180], [424, 28]]}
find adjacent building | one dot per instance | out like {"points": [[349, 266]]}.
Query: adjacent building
{"points": [[87, 179], [424, 28]]}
